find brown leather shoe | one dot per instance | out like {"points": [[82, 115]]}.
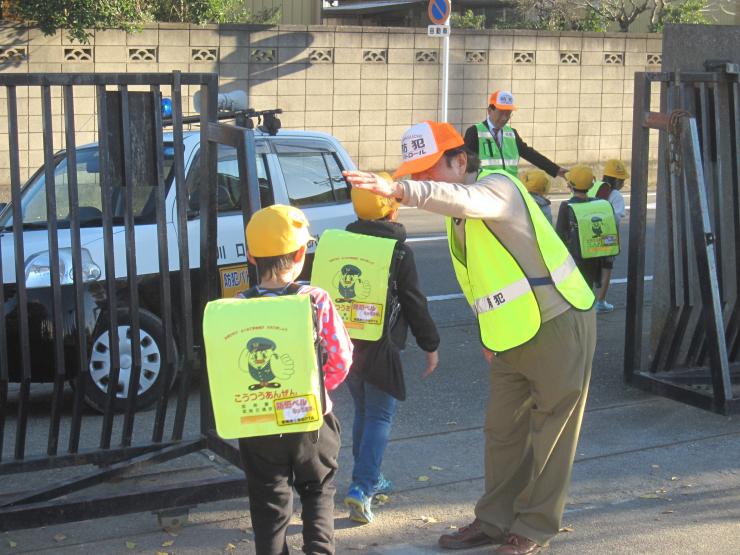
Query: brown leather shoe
{"points": [[518, 545], [467, 537]]}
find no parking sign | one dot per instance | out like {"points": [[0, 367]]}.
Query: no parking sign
{"points": [[439, 11]]}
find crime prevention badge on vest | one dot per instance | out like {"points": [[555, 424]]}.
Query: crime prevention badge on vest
{"points": [[263, 368], [355, 269]]}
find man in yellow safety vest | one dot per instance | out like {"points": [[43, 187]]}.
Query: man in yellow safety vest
{"points": [[537, 328]]}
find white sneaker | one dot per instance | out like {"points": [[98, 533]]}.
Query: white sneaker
{"points": [[602, 307]]}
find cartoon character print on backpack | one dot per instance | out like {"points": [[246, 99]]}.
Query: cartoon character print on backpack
{"points": [[350, 284], [596, 226], [260, 358]]}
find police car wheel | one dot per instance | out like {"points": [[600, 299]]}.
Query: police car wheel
{"points": [[151, 349]]}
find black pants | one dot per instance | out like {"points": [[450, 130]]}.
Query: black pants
{"points": [[274, 465]]}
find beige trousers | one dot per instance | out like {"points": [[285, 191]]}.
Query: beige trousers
{"points": [[533, 418]]}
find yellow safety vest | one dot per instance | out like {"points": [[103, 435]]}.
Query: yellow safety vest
{"points": [[494, 158], [263, 366], [594, 189], [355, 270], [598, 235], [495, 285]]}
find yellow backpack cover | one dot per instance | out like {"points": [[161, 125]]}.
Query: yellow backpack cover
{"points": [[262, 357]]}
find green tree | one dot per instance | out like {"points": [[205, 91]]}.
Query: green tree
{"points": [[78, 16], [687, 11], [468, 20]]}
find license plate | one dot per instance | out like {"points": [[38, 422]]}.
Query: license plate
{"points": [[234, 279]]}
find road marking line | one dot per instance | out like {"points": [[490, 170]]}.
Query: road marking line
{"points": [[452, 296]]}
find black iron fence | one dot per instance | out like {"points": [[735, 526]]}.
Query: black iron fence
{"points": [[120, 324], [693, 351]]}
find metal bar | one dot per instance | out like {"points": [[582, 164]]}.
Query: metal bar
{"points": [[83, 371], [208, 234], [56, 288], [656, 120], [185, 286], [116, 470], [703, 239], [186, 494], [638, 215], [20, 275], [106, 175], [169, 359], [223, 449], [90, 456], [735, 184], [132, 278], [249, 185]]}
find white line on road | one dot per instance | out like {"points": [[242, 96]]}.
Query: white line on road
{"points": [[452, 296], [424, 239]]}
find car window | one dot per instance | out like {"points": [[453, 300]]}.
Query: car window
{"points": [[33, 202], [227, 182], [312, 176]]}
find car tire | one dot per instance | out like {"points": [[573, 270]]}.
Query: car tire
{"points": [[152, 345]]}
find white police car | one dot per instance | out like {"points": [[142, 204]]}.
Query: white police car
{"points": [[301, 168]]}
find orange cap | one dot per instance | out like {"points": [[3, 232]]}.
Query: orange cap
{"points": [[502, 100], [424, 144]]}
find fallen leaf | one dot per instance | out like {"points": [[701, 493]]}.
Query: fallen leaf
{"points": [[380, 499], [230, 547], [12, 544], [668, 512], [428, 519], [423, 478], [59, 537], [162, 553], [168, 543], [130, 545], [452, 527], [452, 423], [674, 478], [435, 467], [649, 496], [655, 465], [358, 547], [566, 529]]}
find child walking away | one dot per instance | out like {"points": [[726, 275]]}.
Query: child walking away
{"points": [[537, 183], [379, 300], [587, 225], [609, 188], [272, 357]]}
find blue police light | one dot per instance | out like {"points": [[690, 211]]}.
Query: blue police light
{"points": [[167, 107]]}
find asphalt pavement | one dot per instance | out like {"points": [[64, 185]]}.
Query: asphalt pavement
{"points": [[652, 476]]}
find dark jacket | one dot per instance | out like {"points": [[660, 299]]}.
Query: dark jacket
{"points": [[525, 151], [379, 362]]}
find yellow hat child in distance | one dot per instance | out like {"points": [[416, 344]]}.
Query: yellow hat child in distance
{"points": [[369, 206], [536, 181], [580, 177], [616, 168], [277, 230]]}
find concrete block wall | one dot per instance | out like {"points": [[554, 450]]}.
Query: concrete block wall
{"points": [[365, 85]]}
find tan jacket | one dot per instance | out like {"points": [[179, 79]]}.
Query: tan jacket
{"points": [[496, 200]]}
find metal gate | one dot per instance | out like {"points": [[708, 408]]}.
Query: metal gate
{"points": [[693, 352], [116, 444]]}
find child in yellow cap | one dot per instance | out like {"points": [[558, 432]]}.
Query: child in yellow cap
{"points": [[615, 173], [537, 183], [277, 238], [376, 382], [580, 179]]}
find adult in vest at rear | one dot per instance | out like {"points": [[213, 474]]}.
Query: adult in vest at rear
{"points": [[499, 146]]}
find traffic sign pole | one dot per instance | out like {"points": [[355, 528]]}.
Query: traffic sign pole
{"points": [[445, 70], [439, 12]]}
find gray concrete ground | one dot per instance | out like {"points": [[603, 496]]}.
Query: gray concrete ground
{"points": [[652, 476]]}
